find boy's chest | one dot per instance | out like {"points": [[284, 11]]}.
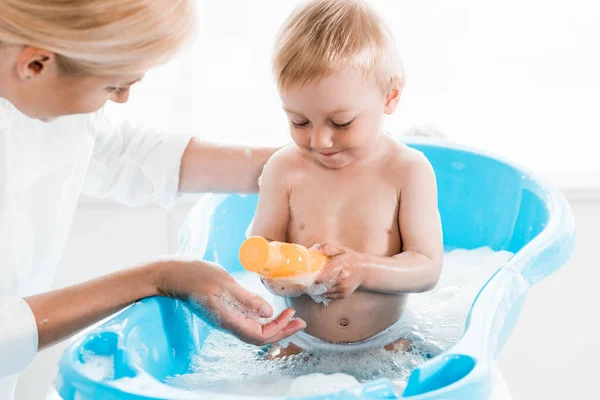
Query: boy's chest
{"points": [[360, 212]]}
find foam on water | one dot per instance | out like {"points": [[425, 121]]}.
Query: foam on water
{"points": [[227, 365], [98, 367]]}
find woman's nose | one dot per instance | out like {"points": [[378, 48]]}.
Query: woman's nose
{"points": [[321, 138]]}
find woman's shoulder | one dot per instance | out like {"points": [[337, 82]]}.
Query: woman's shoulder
{"points": [[7, 112]]}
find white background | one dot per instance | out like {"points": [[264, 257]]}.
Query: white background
{"points": [[518, 78]]}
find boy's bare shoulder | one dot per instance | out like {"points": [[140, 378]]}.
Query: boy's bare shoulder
{"points": [[286, 159], [406, 163], [286, 163], [286, 155]]}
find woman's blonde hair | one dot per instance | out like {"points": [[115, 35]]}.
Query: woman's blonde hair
{"points": [[324, 36], [100, 37]]}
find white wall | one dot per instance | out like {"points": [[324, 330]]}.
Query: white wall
{"points": [[487, 73], [552, 354]]}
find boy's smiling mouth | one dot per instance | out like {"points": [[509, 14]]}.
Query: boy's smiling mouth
{"points": [[329, 153]]}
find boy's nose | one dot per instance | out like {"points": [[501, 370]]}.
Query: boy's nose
{"points": [[321, 139]]}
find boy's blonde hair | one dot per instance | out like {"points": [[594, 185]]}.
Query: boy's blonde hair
{"points": [[100, 37], [324, 36]]}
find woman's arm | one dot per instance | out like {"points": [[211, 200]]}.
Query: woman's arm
{"points": [[134, 165], [207, 167], [205, 286]]}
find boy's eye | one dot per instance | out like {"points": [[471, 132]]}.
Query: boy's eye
{"points": [[301, 124], [342, 126]]}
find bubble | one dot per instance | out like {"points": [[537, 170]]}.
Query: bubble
{"points": [[227, 365], [447, 292], [199, 306], [98, 367], [319, 384], [298, 285], [230, 302]]}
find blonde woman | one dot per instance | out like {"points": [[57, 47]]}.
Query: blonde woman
{"points": [[60, 62]]}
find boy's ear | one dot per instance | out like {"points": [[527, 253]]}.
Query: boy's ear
{"points": [[392, 99]]}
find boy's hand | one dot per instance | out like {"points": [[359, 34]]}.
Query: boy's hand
{"points": [[286, 289], [345, 270]]}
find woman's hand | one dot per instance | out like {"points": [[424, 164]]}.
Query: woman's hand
{"points": [[344, 271], [221, 301]]}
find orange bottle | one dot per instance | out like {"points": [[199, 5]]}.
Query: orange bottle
{"points": [[279, 260]]}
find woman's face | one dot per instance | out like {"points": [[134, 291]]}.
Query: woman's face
{"points": [[78, 95], [39, 89]]}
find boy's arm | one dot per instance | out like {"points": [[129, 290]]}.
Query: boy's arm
{"points": [[417, 268], [272, 212]]}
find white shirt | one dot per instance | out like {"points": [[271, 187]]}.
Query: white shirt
{"points": [[43, 169]]}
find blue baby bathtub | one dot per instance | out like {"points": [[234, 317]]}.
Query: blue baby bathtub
{"points": [[483, 201]]}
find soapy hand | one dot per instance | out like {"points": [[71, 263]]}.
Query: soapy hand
{"points": [[217, 298], [344, 270], [286, 288]]}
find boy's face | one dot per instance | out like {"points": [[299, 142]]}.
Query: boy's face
{"points": [[338, 120]]}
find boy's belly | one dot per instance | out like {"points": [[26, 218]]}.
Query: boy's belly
{"points": [[354, 319]]}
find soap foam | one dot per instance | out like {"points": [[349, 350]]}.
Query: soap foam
{"points": [[439, 316], [98, 367], [298, 285]]}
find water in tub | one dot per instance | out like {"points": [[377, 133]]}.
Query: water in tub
{"points": [[227, 365]]}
